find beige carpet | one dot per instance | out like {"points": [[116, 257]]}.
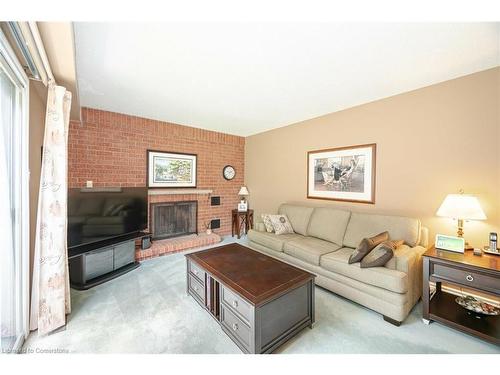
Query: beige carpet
{"points": [[148, 311]]}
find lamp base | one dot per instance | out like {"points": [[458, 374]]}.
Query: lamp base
{"points": [[460, 233]]}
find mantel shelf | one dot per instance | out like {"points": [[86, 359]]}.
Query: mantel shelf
{"points": [[178, 191]]}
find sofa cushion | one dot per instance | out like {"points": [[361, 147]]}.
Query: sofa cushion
{"points": [[367, 225], [271, 240], [309, 249], [260, 227], [329, 224], [381, 277], [298, 215]]}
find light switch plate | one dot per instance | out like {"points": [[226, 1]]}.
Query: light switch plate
{"points": [[89, 184]]}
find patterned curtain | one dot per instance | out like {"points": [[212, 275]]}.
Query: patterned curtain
{"points": [[50, 299]]}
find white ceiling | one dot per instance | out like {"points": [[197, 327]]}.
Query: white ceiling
{"points": [[247, 78]]}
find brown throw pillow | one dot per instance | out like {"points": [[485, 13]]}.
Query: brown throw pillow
{"points": [[381, 254], [367, 245]]}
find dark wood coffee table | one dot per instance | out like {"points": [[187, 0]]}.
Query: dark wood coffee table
{"points": [[260, 302]]}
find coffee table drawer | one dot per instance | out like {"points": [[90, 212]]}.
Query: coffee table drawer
{"points": [[197, 288], [236, 327], [197, 271], [236, 303], [474, 279]]}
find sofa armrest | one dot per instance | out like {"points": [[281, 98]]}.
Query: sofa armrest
{"points": [[260, 227], [424, 237], [258, 224], [409, 260], [405, 257]]}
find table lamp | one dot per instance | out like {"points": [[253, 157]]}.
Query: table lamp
{"points": [[461, 207]]}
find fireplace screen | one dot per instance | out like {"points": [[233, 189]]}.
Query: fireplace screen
{"points": [[173, 219]]}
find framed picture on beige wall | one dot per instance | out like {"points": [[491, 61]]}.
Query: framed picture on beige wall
{"points": [[342, 174]]}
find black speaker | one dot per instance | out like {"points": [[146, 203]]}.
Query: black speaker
{"points": [[145, 242]]}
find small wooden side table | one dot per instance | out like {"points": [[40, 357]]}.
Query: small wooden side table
{"points": [[457, 270], [242, 221]]}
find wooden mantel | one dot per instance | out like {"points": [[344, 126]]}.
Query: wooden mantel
{"points": [[178, 191]]}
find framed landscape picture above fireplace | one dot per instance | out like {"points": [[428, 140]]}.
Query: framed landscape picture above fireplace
{"points": [[342, 174], [170, 170]]}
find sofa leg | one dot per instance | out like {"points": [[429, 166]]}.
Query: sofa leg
{"points": [[392, 321]]}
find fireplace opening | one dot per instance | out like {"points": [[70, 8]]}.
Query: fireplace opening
{"points": [[173, 219]]}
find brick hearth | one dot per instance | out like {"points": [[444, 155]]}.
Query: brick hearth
{"points": [[177, 244]]}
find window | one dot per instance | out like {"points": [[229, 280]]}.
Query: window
{"points": [[14, 215]]}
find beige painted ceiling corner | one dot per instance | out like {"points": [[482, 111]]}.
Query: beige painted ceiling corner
{"points": [[246, 78], [58, 41]]}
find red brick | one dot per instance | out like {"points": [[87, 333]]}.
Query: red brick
{"points": [[110, 150]]}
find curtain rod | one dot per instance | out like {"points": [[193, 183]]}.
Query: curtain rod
{"points": [[41, 50], [30, 44]]}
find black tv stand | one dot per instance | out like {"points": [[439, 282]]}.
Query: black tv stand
{"points": [[106, 277], [98, 265]]}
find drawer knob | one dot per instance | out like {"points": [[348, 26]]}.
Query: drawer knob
{"points": [[469, 278], [235, 303], [235, 326]]}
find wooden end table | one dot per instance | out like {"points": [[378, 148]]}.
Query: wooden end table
{"points": [[477, 273], [242, 221]]}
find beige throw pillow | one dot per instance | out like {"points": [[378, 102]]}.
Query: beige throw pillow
{"points": [[381, 254], [267, 223], [281, 224], [367, 245]]}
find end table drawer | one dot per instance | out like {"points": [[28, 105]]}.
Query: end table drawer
{"points": [[236, 303], [464, 277], [197, 288], [236, 327], [197, 271]]}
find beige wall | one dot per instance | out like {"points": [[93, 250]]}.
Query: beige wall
{"points": [[36, 128], [430, 142]]}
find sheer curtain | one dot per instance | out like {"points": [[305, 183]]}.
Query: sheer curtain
{"points": [[50, 298], [8, 285]]}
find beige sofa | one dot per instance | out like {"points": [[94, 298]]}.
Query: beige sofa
{"points": [[324, 239]]}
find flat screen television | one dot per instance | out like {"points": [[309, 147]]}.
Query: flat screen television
{"points": [[98, 217]]}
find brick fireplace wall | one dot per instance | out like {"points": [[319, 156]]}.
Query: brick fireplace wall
{"points": [[110, 150]]}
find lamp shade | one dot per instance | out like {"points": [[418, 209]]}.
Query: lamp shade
{"points": [[461, 206], [243, 191]]}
